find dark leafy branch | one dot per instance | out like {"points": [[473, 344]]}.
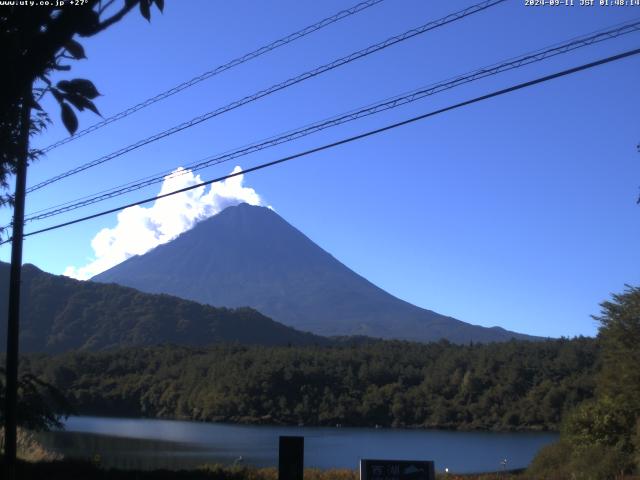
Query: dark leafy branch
{"points": [[35, 43], [41, 406]]}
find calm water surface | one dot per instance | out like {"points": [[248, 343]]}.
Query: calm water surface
{"points": [[146, 444]]}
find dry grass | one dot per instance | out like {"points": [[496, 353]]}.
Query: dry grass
{"points": [[30, 450], [59, 470]]}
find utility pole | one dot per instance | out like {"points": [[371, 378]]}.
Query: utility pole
{"points": [[13, 324]]}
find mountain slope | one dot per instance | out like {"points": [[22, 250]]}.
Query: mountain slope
{"points": [[59, 314], [250, 256]]}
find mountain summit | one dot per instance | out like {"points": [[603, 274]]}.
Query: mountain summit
{"points": [[250, 256]]}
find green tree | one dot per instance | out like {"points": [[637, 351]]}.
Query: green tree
{"points": [[601, 438], [619, 379], [619, 336]]}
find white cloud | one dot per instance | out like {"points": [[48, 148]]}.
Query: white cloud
{"points": [[140, 229]]}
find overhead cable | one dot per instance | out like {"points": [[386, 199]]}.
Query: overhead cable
{"points": [[275, 88], [354, 138], [353, 115], [217, 70]]}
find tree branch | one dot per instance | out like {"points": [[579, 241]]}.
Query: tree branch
{"points": [[102, 8], [114, 18]]}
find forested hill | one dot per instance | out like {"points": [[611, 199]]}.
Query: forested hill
{"points": [[501, 386], [59, 314]]}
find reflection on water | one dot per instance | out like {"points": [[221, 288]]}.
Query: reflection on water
{"points": [[129, 453], [150, 444]]}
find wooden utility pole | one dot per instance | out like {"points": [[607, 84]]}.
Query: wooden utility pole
{"points": [[13, 324]]}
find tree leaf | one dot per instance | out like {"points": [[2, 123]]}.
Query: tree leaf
{"points": [[76, 100], [86, 88], [145, 10], [64, 85], [75, 49], [80, 86], [90, 22], [35, 105], [65, 68], [160, 5], [57, 95], [81, 102], [91, 106], [69, 118]]}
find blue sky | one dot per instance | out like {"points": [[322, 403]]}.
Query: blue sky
{"points": [[519, 211]]}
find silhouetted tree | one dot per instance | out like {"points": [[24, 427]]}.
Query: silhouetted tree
{"points": [[36, 41], [41, 406]]}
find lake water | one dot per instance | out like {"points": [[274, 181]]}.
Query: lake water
{"points": [[147, 444]]}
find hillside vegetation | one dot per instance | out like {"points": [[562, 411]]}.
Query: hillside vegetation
{"points": [[60, 314], [501, 386]]}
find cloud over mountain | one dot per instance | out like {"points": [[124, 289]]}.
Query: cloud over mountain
{"points": [[140, 229]]}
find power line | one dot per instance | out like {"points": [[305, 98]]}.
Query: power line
{"points": [[394, 102], [277, 87], [354, 138], [219, 69]]}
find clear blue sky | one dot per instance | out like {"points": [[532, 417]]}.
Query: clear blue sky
{"points": [[518, 212]]}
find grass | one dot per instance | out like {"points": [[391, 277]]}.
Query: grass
{"points": [[65, 469], [30, 449], [72, 469]]}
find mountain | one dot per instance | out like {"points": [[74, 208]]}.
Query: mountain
{"points": [[250, 256], [59, 314]]}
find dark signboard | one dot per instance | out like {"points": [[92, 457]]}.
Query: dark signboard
{"points": [[291, 458], [397, 470]]}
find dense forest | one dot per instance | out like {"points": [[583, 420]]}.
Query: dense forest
{"points": [[499, 386]]}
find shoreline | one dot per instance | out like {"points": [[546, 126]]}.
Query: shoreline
{"points": [[269, 422]]}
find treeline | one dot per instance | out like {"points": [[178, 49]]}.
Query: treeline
{"points": [[501, 386]]}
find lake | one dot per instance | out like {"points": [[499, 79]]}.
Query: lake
{"points": [[148, 444]]}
